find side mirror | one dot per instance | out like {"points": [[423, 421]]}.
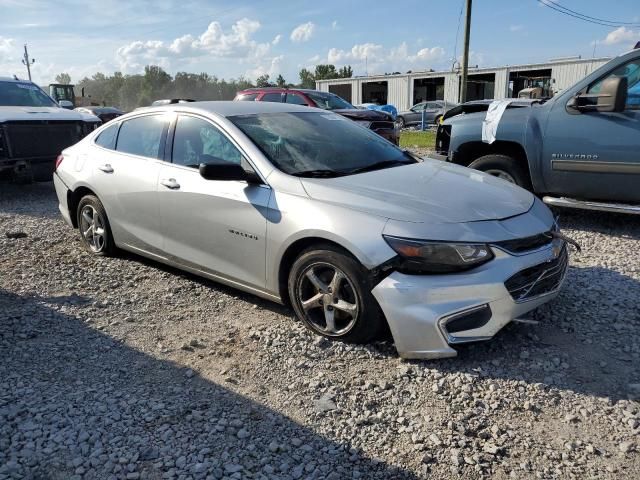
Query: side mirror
{"points": [[66, 104], [611, 98], [613, 95], [226, 171]]}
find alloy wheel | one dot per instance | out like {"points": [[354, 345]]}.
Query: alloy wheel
{"points": [[328, 299], [92, 228]]}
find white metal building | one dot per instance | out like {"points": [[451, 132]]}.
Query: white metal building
{"points": [[405, 90]]}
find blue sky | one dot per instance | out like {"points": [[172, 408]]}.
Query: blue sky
{"points": [[253, 37]]}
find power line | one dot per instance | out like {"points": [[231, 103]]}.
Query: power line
{"points": [[455, 47], [616, 22], [598, 21]]}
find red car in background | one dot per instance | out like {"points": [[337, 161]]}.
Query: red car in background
{"points": [[379, 122]]}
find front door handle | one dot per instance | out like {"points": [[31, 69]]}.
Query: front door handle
{"points": [[106, 168], [170, 183]]}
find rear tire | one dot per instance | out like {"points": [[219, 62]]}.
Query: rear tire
{"points": [[330, 292], [505, 167], [94, 228]]}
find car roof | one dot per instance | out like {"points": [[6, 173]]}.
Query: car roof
{"points": [[229, 108], [14, 80], [280, 89]]}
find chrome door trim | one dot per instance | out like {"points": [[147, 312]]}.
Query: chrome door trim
{"points": [[591, 166]]}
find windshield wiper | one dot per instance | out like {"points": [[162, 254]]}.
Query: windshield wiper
{"points": [[381, 165], [319, 173]]}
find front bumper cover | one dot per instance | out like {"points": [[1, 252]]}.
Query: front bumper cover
{"points": [[418, 307]]}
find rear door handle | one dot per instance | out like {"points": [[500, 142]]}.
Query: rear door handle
{"points": [[106, 168], [170, 183]]}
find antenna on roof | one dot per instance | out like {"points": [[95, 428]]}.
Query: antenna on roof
{"points": [[15, 77], [637, 46]]}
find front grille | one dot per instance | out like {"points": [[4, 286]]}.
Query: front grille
{"points": [[522, 245], [40, 138], [382, 125], [539, 279]]}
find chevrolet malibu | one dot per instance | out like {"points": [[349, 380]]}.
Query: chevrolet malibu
{"points": [[303, 206]]}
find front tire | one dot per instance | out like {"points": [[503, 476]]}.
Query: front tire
{"points": [[400, 122], [93, 224], [331, 293], [505, 167]]}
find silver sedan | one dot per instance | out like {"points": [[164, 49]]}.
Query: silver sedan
{"points": [[305, 207]]}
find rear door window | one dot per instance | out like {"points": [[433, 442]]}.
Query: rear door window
{"points": [[143, 136], [107, 138], [295, 99], [271, 97]]}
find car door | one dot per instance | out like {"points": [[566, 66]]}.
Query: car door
{"points": [[415, 115], [431, 111], [125, 178], [595, 155], [216, 227]]}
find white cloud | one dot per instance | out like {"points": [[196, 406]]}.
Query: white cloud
{"points": [[516, 28], [378, 59], [214, 42], [334, 25], [303, 33], [273, 68], [276, 40], [622, 35], [6, 46]]}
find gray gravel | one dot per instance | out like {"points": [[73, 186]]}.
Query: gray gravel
{"points": [[121, 368]]}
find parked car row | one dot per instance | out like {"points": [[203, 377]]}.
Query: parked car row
{"points": [[380, 122]]}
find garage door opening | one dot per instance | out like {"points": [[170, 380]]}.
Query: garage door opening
{"points": [[343, 90], [427, 89], [480, 86], [541, 79], [375, 92]]}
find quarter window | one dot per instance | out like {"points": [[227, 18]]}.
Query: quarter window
{"points": [[142, 136], [107, 138], [630, 70], [271, 97], [197, 141], [246, 97]]}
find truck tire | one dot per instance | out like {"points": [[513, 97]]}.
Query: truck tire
{"points": [[505, 167]]}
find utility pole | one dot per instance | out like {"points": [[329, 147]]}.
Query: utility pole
{"points": [[28, 62], [465, 54]]}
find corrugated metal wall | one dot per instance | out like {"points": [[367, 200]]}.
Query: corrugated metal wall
{"points": [[400, 87], [566, 74]]}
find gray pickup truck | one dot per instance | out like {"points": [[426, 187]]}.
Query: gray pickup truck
{"points": [[579, 149]]}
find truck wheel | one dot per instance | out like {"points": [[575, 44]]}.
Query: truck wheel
{"points": [[504, 167], [400, 122]]}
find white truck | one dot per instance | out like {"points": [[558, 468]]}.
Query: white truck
{"points": [[34, 129]]}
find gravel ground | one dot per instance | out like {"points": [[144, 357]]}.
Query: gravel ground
{"points": [[122, 368]]}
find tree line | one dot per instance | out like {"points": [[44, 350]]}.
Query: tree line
{"points": [[131, 91]]}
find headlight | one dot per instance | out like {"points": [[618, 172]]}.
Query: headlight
{"points": [[364, 123], [423, 256]]}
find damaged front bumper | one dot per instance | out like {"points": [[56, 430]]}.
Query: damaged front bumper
{"points": [[427, 314]]}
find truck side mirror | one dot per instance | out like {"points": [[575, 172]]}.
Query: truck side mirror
{"points": [[613, 95]]}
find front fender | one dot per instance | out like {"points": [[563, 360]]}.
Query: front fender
{"points": [[294, 218]]}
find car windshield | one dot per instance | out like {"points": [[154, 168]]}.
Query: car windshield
{"points": [[329, 101], [23, 94], [311, 144]]}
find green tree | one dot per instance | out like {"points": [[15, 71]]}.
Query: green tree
{"points": [[263, 81], [307, 80], [280, 81], [63, 78]]}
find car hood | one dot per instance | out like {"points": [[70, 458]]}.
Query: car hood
{"points": [[427, 192], [358, 114], [9, 113]]}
